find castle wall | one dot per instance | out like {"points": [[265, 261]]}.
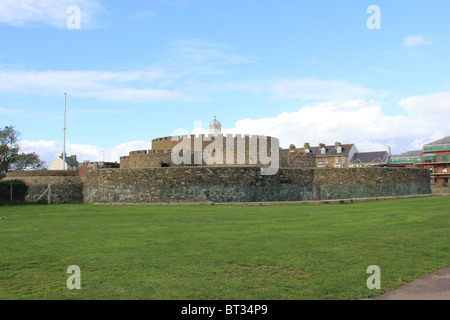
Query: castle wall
{"points": [[242, 153], [223, 184], [144, 159], [246, 184], [297, 160], [66, 186]]}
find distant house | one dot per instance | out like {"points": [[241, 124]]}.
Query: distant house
{"points": [[369, 159], [332, 156], [407, 159], [58, 164]]}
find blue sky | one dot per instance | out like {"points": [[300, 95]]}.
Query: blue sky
{"points": [[301, 71]]}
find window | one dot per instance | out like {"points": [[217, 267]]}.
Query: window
{"points": [[336, 159], [323, 150]]}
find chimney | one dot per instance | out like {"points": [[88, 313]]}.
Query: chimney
{"points": [[337, 144], [291, 147], [388, 149], [306, 148], [321, 145], [74, 157]]}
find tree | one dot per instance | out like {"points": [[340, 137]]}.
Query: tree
{"points": [[27, 161], [10, 159]]}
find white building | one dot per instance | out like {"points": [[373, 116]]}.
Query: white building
{"points": [[58, 164]]}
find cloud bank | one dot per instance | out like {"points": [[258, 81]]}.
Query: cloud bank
{"points": [[53, 13]]}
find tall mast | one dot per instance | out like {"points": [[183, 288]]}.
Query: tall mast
{"points": [[64, 151]]}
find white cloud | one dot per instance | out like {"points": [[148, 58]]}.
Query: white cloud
{"points": [[415, 41], [133, 86], [313, 89], [32, 13], [432, 105], [10, 111], [144, 14], [361, 122], [183, 74], [358, 121], [200, 51], [180, 76], [50, 150]]}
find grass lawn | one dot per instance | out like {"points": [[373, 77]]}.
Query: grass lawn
{"points": [[220, 252]]}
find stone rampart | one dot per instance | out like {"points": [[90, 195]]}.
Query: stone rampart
{"points": [[66, 186], [223, 184], [236, 150], [246, 184]]}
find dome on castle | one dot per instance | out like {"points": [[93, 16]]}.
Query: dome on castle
{"points": [[215, 127]]}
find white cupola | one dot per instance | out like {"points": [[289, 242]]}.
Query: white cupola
{"points": [[215, 127]]}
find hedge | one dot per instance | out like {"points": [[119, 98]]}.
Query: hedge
{"points": [[19, 191]]}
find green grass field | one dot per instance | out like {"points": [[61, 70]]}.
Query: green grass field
{"points": [[276, 252]]}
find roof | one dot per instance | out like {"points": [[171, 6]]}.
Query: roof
{"points": [[331, 150], [443, 141], [369, 157], [70, 161], [412, 153], [215, 122]]}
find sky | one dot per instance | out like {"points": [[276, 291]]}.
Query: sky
{"points": [[373, 73]]}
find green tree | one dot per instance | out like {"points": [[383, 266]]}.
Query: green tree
{"points": [[27, 161], [10, 159]]}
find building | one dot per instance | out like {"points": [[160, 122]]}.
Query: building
{"points": [[332, 156], [369, 159], [407, 159], [436, 157], [216, 149], [215, 127], [58, 164]]}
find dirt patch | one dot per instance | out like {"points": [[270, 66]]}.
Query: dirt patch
{"points": [[434, 286]]}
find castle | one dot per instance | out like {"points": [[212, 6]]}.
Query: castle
{"points": [[216, 149], [224, 168]]}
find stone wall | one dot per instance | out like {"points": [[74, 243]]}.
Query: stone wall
{"points": [[143, 159], [66, 186], [246, 184], [151, 158], [223, 184], [240, 146], [297, 160]]}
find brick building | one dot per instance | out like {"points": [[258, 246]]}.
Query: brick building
{"points": [[435, 156], [332, 156]]}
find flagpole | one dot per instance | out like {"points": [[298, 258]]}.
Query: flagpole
{"points": [[64, 151]]}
